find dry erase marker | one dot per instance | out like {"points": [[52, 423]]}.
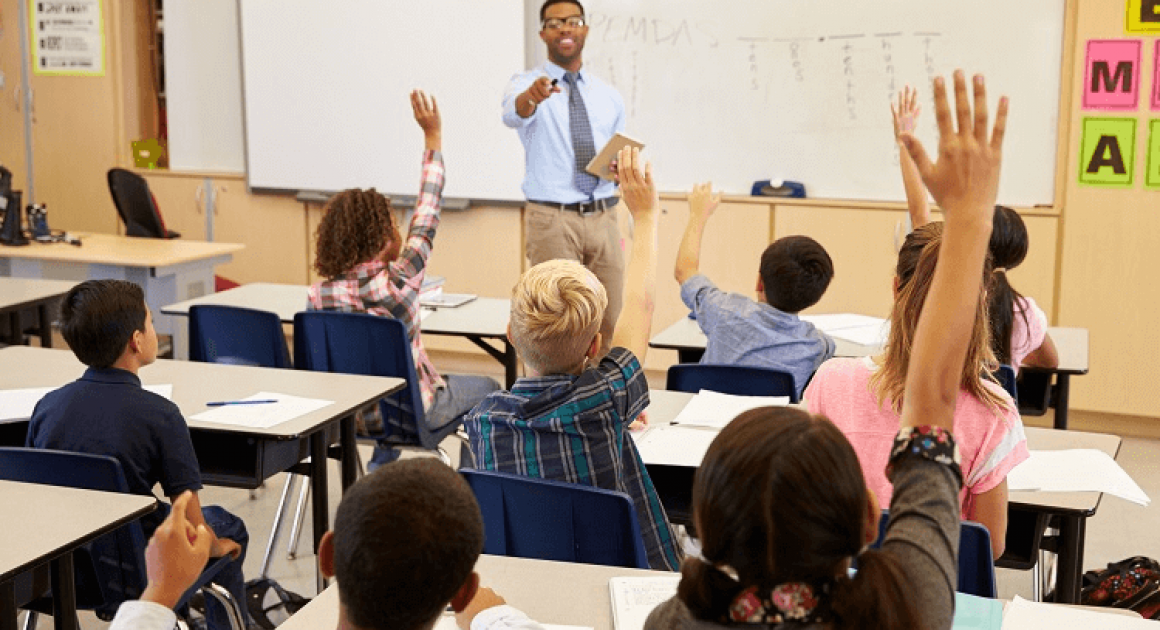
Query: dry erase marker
{"points": [[223, 403]]}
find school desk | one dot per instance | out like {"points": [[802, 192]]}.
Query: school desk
{"points": [[482, 321], [549, 592], [1072, 509], [44, 524], [167, 269], [1072, 343], [235, 456], [18, 294]]}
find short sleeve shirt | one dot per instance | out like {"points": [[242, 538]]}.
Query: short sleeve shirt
{"points": [[573, 428], [1028, 328], [107, 412], [742, 332], [991, 443]]}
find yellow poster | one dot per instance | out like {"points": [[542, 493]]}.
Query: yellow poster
{"points": [[1143, 17], [67, 36]]}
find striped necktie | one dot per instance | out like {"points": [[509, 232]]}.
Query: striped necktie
{"points": [[583, 145]]}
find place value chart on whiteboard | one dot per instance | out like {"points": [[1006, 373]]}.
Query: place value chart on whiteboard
{"points": [[800, 89]]}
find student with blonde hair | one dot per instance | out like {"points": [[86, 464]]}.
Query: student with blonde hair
{"points": [[567, 419]]}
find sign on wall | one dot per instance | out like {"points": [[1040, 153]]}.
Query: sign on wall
{"points": [[1107, 156], [68, 37], [1143, 17], [1112, 74]]}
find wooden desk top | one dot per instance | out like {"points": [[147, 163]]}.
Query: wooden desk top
{"points": [[1072, 344], [195, 384], [549, 592], [17, 293], [665, 405], [123, 251], [484, 317], [51, 520]]}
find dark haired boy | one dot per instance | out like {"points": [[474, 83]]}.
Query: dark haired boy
{"points": [[794, 274], [107, 412], [404, 545]]}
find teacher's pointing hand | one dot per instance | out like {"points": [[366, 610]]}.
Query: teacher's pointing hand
{"points": [[537, 93]]}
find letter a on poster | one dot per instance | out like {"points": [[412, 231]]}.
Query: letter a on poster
{"points": [[1107, 157], [1142, 18], [68, 37], [1112, 74]]}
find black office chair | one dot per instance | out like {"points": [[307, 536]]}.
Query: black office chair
{"points": [[136, 205]]}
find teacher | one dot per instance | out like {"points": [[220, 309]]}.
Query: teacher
{"points": [[570, 213]]}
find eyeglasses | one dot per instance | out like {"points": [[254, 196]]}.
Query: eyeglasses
{"points": [[556, 24]]}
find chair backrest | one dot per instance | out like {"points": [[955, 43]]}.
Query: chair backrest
{"points": [[731, 379], [1006, 377], [553, 520], [976, 566], [229, 334], [119, 556], [135, 204], [373, 345]]}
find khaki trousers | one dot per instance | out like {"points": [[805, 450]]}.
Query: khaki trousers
{"points": [[592, 239]]}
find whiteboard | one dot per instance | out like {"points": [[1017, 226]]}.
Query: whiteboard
{"points": [[203, 86], [326, 88], [745, 90]]}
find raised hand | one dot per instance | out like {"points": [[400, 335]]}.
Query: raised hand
{"points": [[427, 115], [965, 180], [702, 201], [636, 182], [175, 556], [905, 111]]}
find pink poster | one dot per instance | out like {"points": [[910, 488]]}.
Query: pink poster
{"points": [[1112, 74], [1156, 79]]}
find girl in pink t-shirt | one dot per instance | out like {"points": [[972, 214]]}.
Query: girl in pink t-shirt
{"points": [[863, 397], [1018, 326]]}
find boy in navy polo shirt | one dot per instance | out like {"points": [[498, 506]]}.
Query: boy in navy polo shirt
{"points": [[106, 412]]}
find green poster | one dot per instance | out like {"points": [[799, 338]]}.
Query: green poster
{"points": [[1152, 176], [1107, 155]]}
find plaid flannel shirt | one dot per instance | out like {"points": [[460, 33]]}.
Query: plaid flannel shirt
{"points": [[393, 289], [574, 429]]}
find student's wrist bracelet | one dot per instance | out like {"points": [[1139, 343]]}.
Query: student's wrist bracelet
{"points": [[933, 443]]}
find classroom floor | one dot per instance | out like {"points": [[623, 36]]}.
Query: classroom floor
{"points": [[1118, 530]]}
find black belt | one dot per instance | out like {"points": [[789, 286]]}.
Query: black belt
{"points": [[587, 207]]}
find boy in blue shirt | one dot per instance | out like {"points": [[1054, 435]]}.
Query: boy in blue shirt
{"points": [[794, 274], [107, 412]]}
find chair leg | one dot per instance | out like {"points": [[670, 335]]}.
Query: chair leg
{"points": [[1037, 582], [30, 618], [227, 601], [299, 516], [276, 529]]}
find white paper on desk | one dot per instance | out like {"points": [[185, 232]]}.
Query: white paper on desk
{"points": [[633, 598], [839, 321], [1024, 615], [263, 416], [447, 622], [1075, 470], [17, 404], [714, 409], [674, 445]]}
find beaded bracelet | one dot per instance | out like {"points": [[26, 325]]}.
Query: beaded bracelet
{"points": [[933, 443]]}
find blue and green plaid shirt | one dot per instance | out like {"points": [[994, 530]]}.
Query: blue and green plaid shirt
{"points": [[574, 429]]}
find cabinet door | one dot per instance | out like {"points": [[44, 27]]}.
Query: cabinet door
{"points": [[180, 199], [273, 229]]}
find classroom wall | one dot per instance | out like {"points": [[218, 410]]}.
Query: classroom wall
{"points": [[1090, 265]]}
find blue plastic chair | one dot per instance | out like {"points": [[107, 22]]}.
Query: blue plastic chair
{"points": [[738, 380], [976, 567], [1006, 377], [230, 334], [372, 345], [524, 517], [110, 569]]}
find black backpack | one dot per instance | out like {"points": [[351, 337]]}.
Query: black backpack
{"points": [[269, 604], [1133, 583]]}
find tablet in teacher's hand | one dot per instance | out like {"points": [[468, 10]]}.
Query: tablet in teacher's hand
{"points": [[599, 166]]}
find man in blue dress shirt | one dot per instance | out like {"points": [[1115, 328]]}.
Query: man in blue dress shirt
{"points": [[570, 213]]}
